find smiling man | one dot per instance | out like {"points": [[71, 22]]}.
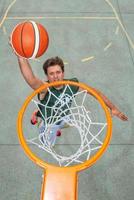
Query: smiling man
{"points": [[54, 71]]}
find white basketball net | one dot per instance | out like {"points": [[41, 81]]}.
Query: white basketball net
{"points": [[74, 115]]}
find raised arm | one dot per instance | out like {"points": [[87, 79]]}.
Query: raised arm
{"points": [[114, 110], [28, 74]]}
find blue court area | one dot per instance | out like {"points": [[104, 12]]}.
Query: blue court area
{"points": [[96, 42]]}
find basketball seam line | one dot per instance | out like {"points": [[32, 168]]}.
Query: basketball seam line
{"points": [[21, 39]]}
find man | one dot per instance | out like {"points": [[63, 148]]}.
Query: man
{"points": [[54, 70]]}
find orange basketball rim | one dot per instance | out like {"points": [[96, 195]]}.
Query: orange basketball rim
{"points": [[60, 183]]}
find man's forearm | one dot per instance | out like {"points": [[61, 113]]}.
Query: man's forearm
{"points": [[25, 68], [106, 100], [28, 74]]}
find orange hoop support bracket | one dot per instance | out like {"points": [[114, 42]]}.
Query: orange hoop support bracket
{"points": [[60, 183]]}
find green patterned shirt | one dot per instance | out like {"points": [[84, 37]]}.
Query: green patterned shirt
{"points": [[56, 101]]}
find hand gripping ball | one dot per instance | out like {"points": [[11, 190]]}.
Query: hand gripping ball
{"points": [[29, 39]]}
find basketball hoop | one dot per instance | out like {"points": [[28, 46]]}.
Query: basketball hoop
{"points": [[60, 177]]}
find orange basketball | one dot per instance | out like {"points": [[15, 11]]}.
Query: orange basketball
{"points": [[29, 39]]}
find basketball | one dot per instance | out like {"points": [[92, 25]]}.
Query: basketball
{"points": [[29, 39]]}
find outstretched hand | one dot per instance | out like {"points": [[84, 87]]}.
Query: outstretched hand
{"points": [[10, 44], [120, 115]]}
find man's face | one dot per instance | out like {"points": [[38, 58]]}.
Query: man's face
{"points": [[55, 73]]}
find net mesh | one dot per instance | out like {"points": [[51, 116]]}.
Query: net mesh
{"points": [[70, 110]]}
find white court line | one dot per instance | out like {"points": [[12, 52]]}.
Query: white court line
{"points": [[108, 46], [87, 59]]}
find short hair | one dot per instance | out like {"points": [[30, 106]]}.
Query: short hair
{"points": [[53, 61]]}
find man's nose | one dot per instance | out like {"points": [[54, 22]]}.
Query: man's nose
{"points": [[55, 76]]}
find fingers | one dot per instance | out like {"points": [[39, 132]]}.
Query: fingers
{"points": [[10, 44], [122, 116], [9, 41], [119, 114]]}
